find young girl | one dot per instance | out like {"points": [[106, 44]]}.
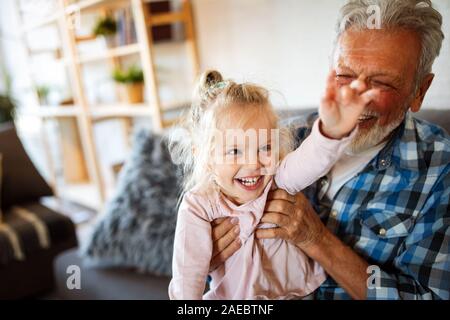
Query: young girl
{"points": [[230, 155]]}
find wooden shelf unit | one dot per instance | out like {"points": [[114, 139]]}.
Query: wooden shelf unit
{"points": [[111, 53], [82, 115]]}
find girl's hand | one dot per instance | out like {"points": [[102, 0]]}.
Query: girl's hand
{"points": [[341, 106]]}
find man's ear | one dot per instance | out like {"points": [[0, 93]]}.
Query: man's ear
{"points": [[421, 92]]}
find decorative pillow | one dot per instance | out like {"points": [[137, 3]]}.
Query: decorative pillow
{"points": [[21, 181], [137, 229]]}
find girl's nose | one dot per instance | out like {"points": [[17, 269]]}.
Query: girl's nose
{"points": [[256, 165], [254, 162]]}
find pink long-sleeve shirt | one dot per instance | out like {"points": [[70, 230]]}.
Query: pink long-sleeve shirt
{"points": [[261, 268]]}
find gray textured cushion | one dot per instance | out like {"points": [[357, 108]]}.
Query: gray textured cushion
{"points": [[137, 229]]}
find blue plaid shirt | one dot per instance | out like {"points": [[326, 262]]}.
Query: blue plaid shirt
{"points": [[395, 213]]}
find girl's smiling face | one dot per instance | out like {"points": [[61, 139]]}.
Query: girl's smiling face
{"points": [[246, 157]]}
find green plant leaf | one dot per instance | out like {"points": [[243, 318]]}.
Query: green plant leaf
{"points": [[105, 26], [133, 74]]}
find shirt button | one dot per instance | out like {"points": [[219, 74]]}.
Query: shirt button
{"points": [[382, 232], [334, 213], [383, 162]]}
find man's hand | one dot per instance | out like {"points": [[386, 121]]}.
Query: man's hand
{"points": [[296, 219], [300, 224], [341, 107], [225, 232]]}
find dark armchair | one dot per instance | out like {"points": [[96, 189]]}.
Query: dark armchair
{"points": [[31, 235]]}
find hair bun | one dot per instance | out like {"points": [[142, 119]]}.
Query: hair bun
{"points": [[210, 78], [206, 92]]}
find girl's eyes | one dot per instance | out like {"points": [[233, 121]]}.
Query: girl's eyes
{"points": [[233, 152], [266, 148]]}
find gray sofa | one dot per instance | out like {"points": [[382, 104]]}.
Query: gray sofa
{"points": [[127, 284]]}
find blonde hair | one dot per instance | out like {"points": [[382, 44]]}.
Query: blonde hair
{"points": [[192, 142]]}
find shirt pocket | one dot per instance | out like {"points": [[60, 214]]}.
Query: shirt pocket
{"points": [[386, 224], [383, 234]]}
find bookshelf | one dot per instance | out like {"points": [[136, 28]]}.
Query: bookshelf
{"points": [[77, 118]]}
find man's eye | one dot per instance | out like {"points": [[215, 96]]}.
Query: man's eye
{"points": [[233, 152], [381, 84], [344, 78]]}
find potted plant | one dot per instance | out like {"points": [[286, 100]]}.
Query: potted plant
{"points": [[106, 27], [7, 109], [7, 106], [131, 84], [43, 92]]}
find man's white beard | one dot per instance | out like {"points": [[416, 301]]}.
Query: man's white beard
{"points": [[374, 136]]}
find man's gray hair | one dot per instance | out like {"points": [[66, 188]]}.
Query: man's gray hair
{"points": [[417, 15]]}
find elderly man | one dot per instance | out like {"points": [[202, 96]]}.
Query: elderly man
{"points": [[379, 222]]}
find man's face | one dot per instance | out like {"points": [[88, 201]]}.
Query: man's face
{"points": [[387, 60]]}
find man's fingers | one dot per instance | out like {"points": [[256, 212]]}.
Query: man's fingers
{"points": [[359, 85], [214, 264], [225, 254], [269, 233], [330, 91], [279, 206], [280, 194], [223, 242], [347, 95], [369, 96], [222, 226], [218, 221], [275, 218]]}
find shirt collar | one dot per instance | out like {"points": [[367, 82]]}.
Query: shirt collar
{"points": [[257, 203], [402, 149]]}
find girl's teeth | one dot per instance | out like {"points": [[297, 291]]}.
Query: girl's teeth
{"points": [[249, 181]]}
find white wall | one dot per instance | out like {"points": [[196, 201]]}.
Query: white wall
{"points": [[285, 45], [439, 94], [282, 44]]}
